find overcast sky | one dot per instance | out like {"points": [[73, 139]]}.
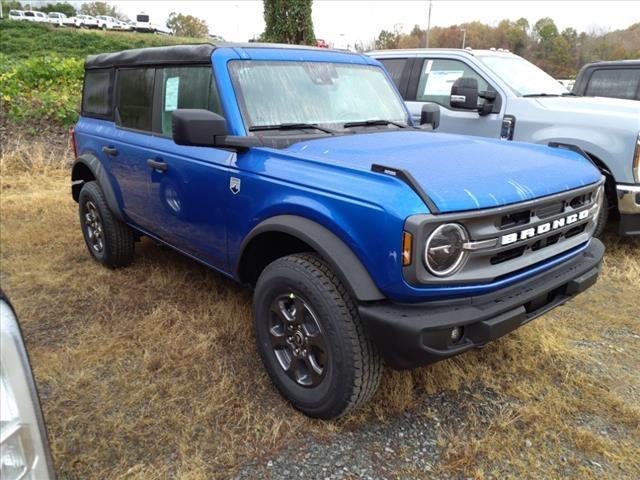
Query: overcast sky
{"points": [[350, 21]]}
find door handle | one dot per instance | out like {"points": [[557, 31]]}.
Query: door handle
{"points": [[111, 151], [156, 165]]}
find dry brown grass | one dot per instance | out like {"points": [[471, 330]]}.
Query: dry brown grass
{"points": [[151, 371]]}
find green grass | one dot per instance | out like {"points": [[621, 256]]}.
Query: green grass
{"points": [[41, 69], [21, 40]]}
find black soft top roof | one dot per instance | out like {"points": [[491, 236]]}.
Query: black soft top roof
{"points": [[173, 55], [177, 54]]}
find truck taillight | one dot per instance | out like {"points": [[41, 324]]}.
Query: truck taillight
{"points": [[72, 136]]}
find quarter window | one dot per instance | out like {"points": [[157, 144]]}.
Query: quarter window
{"points": [[96, 98], [437, 78], [187, 87], [135, 98], [616, 83]]}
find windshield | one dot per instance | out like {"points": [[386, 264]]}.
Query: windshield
{"points": [[523, 77], [320, 93]]}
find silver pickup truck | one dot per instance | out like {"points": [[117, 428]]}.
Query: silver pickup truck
{"points": [[494, 93]]}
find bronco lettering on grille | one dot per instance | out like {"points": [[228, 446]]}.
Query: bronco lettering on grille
{"points": [[543, 228]]}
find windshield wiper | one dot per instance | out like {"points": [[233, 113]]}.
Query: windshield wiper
{"points": [[569, 94], [368, 123], [541, 95], [292, 126]]}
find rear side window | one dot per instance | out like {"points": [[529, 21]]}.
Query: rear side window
{"points": [[135, 98], [395, 67], [616, 83], [97, 93], [187, 87]]}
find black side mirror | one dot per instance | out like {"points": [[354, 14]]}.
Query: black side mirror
{"points": [[464, 93], [196, 127], [430, 115]]}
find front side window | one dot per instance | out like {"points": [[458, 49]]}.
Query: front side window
{"points": [[438, 76], [321, 93], [187, 87], [523, 77], [617, 83], [135, 98]]}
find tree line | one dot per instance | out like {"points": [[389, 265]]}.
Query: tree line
{"points": [[560, 53]]}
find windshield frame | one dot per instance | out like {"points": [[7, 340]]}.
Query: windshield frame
{"points": [[242, 107], [481, 58]]}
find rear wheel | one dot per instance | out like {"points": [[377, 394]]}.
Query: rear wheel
{"points": [[109, 241], [311, 340]]}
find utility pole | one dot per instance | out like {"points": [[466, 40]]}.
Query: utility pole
{"points": [[464, 36], [428, 24]]}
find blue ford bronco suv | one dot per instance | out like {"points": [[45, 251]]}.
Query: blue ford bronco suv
{"points": [[299, 172]]}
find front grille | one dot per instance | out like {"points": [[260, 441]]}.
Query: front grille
{"points": [[542, 228]]}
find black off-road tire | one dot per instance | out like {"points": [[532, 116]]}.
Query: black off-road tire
{"points": [[353, 367], [118, 239], [603, 216]]}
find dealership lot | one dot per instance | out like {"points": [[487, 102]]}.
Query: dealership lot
{"points": [[152, 371]]}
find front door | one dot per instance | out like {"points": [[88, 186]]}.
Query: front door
{"points": [[436, 77], [189, 187]]}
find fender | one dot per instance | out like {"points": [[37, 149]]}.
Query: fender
{"points": [[339, 256], [91, 162]]}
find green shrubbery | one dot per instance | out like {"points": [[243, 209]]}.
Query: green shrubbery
{"points": [[41, 68], [44, 88]]}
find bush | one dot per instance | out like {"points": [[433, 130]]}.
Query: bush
{"points": [[41, 68], [44, 88]]}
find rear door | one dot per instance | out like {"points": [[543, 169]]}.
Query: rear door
{"points": [[126, 150], [431, 81], [399, 69], [189, 187]]}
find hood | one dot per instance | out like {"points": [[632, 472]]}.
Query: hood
{"points": [[625, 111], [458, 172]]}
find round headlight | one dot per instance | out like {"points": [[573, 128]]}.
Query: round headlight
{"points": [[444, 252]]}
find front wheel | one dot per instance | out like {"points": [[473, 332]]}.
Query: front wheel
{"points": [[311, 340]]}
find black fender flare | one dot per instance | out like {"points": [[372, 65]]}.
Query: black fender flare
{"points": [[92, 162], [329, 246]]}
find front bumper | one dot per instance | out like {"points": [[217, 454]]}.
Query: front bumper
{"points": [[629, 207], [412, 335]]}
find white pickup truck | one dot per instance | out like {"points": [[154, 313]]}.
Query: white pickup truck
{"points": [[494, 93]]}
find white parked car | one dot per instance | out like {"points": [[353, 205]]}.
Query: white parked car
{"points": [[61, 20], [87, 21], [144, 24], [106, 22], [16, 15], [34, 16]]}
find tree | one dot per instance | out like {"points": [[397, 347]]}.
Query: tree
{"points": [[187, 25], [62, 7], [288, 21], [99, 8], [11, 5], [387, 40]]}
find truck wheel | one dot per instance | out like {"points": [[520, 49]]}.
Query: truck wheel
{"points": [[110, 241], [603, 216], [311, 340]]}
